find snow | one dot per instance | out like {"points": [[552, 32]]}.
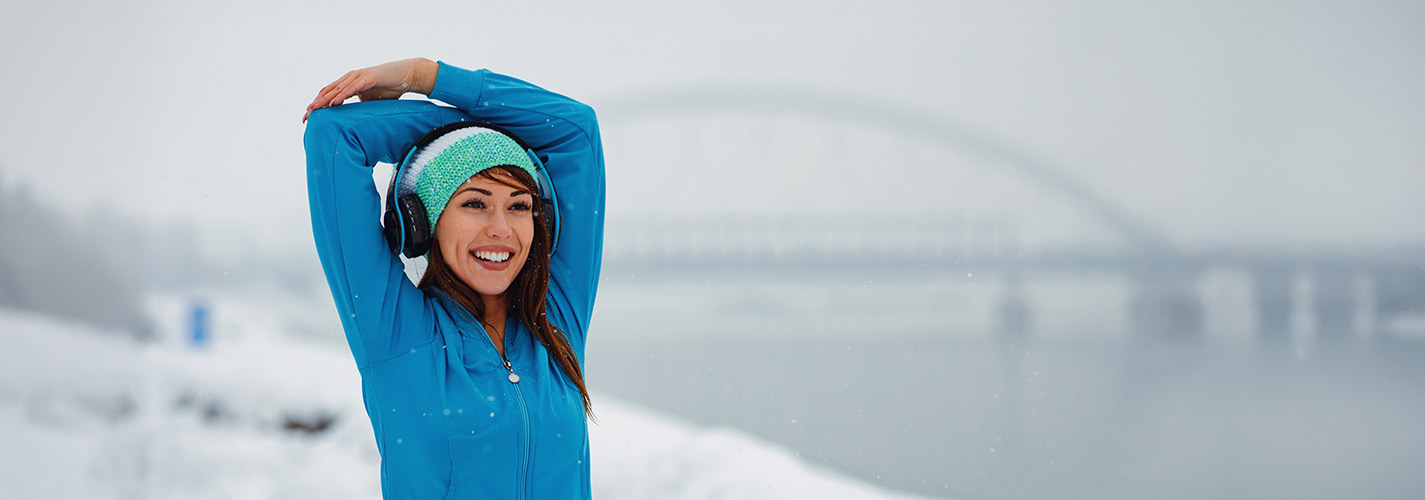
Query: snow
{"points": [[90, 414]]}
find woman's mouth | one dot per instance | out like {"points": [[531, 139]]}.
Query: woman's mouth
{"points": [[494, 260], [493, 256]]}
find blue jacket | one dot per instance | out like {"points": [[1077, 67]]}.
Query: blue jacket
{"points": [[449, 422]]}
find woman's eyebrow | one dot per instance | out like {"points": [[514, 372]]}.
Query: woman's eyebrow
{"points": [[488, 193]]}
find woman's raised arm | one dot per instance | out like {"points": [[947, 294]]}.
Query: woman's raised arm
{"points": [[565, 134], [381, 311]]}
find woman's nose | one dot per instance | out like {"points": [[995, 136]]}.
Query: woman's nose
{"points": [[498, 226]]}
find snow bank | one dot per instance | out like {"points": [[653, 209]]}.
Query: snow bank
{"points": [[264, 413]]}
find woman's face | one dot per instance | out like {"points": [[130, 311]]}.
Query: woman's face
{"points": [[485, 232]]}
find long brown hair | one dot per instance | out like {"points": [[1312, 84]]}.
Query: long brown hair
{"points": [[526, 294]]}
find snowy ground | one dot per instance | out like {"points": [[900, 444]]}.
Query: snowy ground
{"points": [[928, 403], [89, 414]]}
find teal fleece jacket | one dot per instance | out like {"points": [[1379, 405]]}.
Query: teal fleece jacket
{"points": [[449, 422]]}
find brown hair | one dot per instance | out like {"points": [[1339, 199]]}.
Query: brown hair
{"points": [[526, 294]]}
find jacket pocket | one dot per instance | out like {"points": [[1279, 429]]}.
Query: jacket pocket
{"points": [[483, 466]]}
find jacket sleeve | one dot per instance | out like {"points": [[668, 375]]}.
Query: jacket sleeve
{"points": [[565, 135], [382, 313]]}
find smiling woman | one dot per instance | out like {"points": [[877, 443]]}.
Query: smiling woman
{"points": [[481, 257], [466, 372]]}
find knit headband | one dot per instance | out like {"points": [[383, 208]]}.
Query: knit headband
{"points": [[438, 169]]}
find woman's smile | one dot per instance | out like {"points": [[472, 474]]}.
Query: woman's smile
{"points": [[494, 258]]}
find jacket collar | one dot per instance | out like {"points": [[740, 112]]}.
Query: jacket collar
{"points": [[465, 320]]}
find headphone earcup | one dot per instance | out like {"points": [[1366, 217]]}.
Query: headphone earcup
{"points": [[546, 208], [415, 226], [391, 225]]}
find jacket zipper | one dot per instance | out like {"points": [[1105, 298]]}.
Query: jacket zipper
{"points": [[521, 488]]}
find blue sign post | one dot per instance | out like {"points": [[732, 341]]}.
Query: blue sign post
{"points": [[198, 324]]}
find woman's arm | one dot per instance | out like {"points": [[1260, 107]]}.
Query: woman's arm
{"points": [[565, 135], [382, 313]]}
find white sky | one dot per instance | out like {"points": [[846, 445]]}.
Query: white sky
{"points": [[1223, 123]]}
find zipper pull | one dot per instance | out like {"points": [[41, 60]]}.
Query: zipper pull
{"points": [[514, 379]]}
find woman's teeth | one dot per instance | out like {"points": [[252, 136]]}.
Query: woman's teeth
{"points": [[493, 256]]}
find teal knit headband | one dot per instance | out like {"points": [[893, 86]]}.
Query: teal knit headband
{"points": [[447, 162]]}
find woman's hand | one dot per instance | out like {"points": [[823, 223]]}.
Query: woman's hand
{"points": [[385, 81]]}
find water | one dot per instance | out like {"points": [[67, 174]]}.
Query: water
{"points": [[905, 383]]}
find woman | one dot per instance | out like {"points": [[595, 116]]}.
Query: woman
{"points": [[472, 380]]}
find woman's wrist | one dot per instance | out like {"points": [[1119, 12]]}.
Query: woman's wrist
{"points": [[423, 72]]}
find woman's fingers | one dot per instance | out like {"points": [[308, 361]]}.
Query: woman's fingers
{"points": [[332, 87], [327, 94], [340, 92], [330, 95], [383, 81]]}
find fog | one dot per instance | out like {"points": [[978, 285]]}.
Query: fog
{"points": [[956, 249]]}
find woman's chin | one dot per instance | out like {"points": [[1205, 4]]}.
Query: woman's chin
{"points": [[489, 287], [485, 282], [487, 278]]}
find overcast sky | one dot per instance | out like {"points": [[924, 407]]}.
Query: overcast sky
{"points": [[1288, 124]]}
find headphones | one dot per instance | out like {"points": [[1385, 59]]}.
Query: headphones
{"points": [[406, 224]]}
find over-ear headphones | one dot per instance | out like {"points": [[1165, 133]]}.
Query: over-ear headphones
{"points": [[406, 224]]}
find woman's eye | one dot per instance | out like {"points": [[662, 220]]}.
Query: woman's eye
{"points": [[521, 206], [474, 204]]}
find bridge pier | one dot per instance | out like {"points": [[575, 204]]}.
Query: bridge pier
{"points": [[1166, 304], [1274, 288], [1329, 298], [1012, 312], [1334, 301], [1394, 290]]}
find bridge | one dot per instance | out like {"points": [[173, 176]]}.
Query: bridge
{"points": [[1166, 300]]}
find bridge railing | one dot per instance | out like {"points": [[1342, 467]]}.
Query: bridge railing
{"points": [[819, 237]]}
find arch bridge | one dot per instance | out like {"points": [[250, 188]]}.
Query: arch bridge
{"points": [[1165, 302]]}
